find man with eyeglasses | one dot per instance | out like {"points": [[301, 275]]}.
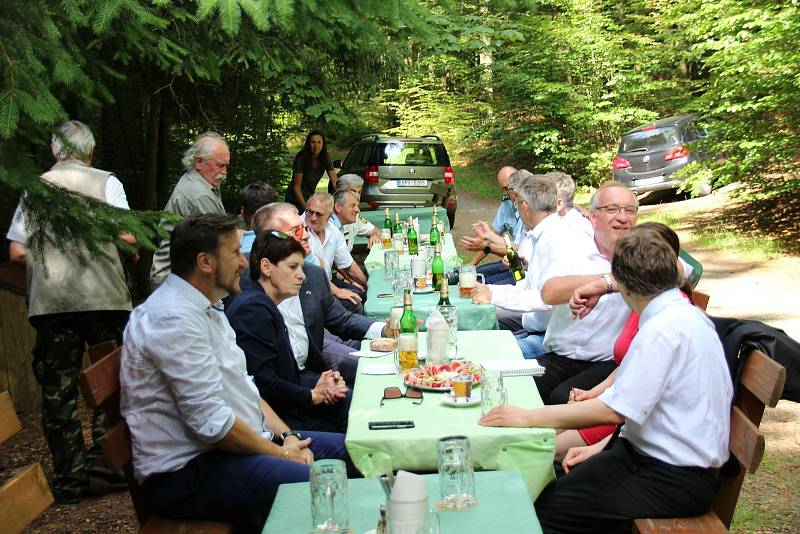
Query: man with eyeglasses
{"points": [[328, 244], [316, 320], [578, 353]]}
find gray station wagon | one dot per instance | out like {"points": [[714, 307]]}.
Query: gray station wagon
{"points": [[402, 172], [649, 155]]}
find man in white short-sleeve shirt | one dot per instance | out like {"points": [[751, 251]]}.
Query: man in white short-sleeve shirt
{"points": [[672, 393]]}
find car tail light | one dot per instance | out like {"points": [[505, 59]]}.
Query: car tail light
{"points": [[371, 174], [648, 127], [677, 152], [621, 163], [449, 176], [374, 205]]}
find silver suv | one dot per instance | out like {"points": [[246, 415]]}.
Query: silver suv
{"points": [[650, 154], [402, 172]]}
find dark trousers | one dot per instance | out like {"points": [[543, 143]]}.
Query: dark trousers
{"points": [[562, 374], [322, 417], [348, 304], [617, 485], [336, 353], [238, 488], [57, 361], [496, 273]]}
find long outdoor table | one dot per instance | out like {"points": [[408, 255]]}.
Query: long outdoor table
{"points": [[470, 316], [504, 506], [450, 256], [530, 450], [423, 214]]}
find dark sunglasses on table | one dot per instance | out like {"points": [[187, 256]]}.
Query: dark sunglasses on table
{"points": [[395, 393]]}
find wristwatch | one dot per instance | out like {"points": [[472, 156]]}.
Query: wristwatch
{"points": [[288, 433], [487, 249], [609, 283]]}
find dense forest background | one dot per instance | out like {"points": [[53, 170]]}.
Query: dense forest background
{"points": [[540, 84]]}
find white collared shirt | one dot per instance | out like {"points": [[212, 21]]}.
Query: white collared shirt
{"points": [[525, 297], [333, 250], [184, 380], [292, 314], [574, 252], [674, 387]]}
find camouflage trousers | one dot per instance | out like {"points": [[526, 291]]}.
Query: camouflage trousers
{"points": [[57, 362]]}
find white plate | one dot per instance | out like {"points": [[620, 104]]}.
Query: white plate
{"points": [[368, 353], [423, 291], [473, 399]]}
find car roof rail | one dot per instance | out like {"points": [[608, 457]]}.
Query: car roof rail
{"points": [[432, 136], [372, 136]]}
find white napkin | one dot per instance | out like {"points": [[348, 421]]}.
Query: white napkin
{"points": [[369, 353], [378, 369], [409, 487], [438, 333]]}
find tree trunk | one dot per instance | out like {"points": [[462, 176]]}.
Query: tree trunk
{"points": [[151, 152]]}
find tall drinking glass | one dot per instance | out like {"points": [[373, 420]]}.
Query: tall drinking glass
{"points": [[493, 393], [451, 316], [391, 262], [467, 279], [329, 506], [456, 473]]}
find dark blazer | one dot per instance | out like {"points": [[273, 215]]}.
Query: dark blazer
{"points": [[322, 310], [262, 335]]}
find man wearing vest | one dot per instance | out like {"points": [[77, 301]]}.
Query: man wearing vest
{"points": [[73, 299], [206, 163]]}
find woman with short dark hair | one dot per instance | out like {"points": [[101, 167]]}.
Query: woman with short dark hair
{"points": [[307, 397]]}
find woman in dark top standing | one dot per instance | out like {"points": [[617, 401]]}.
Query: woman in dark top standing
{"points": [[307, 399], [307, 170]]}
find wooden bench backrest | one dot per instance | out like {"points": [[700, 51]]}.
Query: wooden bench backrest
{"points": [[761, 385], [26, 494], [700, 299]]}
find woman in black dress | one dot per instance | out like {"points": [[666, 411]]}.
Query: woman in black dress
{"points": [[307, 170]]}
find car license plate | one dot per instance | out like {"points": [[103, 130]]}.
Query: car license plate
{"points": [[412, 183], [649, 181]]}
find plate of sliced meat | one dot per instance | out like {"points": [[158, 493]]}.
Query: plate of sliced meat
{"points": [[439, 377]]}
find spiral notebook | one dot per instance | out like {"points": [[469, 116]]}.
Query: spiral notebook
{"points": [[515, 367]]}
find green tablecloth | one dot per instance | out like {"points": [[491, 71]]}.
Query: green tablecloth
{"points": [[504, 507], [470, 316], [423, 214], [449, 256], [530, 450]]}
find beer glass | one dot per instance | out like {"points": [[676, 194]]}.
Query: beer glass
{"points": [[397, 243], [386, 238], [467, 279], [451, 316], [391, 262], [394, 321], [456, 473], [329, 506], [492, 391]]}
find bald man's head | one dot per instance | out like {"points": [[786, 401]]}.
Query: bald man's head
{"points": [[503, 175]]}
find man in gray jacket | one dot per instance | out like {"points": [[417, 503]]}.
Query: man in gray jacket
{"points": [[206, 163]]}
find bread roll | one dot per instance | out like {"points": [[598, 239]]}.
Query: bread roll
{"points": [[383, 344]]}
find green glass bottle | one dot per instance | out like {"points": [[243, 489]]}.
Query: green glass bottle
{"points": [[514, 262], [387, 220], [413, 247], [407, 342], [398, 228], [444, 292], [437, 267], [435, 237]]}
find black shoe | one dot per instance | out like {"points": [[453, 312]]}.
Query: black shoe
{"points": [[100, 486], [71, 496], [107, 474]]}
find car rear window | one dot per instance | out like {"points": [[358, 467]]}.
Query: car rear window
{"points": [[650, 138], [411, 153]]}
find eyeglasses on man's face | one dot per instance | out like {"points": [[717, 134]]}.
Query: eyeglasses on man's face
{"points": [[298, 231], [613, 209], [317, 214], [391, 393]]}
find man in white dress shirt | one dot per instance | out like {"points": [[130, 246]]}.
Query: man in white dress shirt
{"points": [[672, 393], [578, 353], [205, 445]]}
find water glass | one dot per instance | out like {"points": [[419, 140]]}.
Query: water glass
{"points": [[391, 262], [456, 473], [329, 506], [403, 280], [397, 243], [492, 391], [451, 316]]}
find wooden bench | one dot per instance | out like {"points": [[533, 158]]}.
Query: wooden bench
{"points": [[26, 494], [100, 386], [761, 385]]}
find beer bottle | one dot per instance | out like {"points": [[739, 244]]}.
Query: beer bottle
{"points": [[407, 342], [514, 262], [386, 231], [398, 228], [435, 237], [437, 267], [413, 248], [444, 293]]}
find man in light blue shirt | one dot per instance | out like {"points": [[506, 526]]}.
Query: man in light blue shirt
{"points": [[200, 432], [253, 195]]}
